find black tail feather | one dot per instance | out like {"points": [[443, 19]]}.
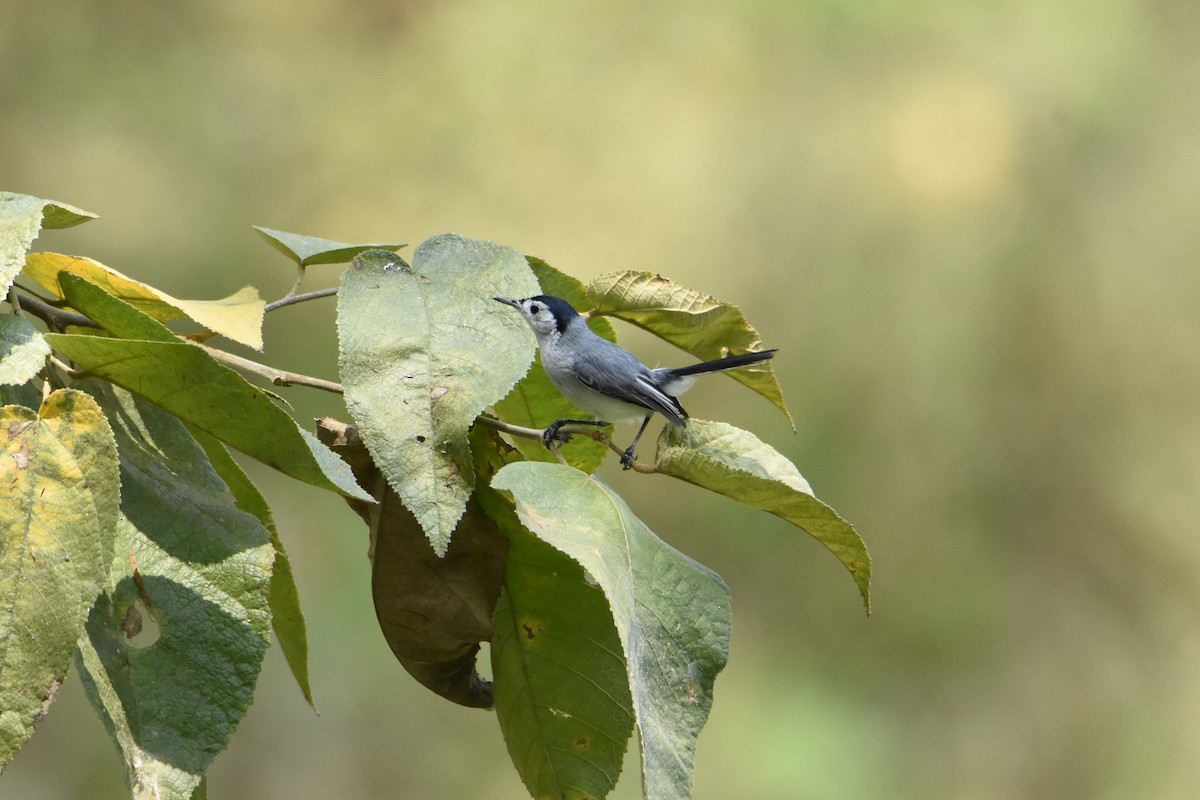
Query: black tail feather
{"points": [[729, 362]]}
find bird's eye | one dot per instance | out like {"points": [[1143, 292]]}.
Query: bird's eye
{"points": [[535, 309]]}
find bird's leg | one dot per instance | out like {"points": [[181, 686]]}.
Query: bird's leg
{"points": [[627, 456], [550, 435]]}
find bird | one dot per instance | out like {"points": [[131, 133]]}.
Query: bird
{"points": [[605, 379]]}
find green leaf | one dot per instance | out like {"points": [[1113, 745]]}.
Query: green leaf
{"points": [[194, 566], [238, 317], [423, 350], [21, 217], [534, 402], [735, 463], [111, 313], [287, 618], [23, 351], [186, 381], [671, 613], [25, 394], [562, 694], [308, 250], [59, 495], [693, 321]]}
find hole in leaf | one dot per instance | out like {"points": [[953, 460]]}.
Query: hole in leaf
{"points": [[140, 626]]}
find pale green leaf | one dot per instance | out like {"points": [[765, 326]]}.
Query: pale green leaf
{"points": [[308, 250], [287, 618], [534, 402], [672, 614], [23, 351], [422, 351], [59, 495], [186, 381], [238, 316], [693, 321], [203, 571], [21, 218], [735, 463]]}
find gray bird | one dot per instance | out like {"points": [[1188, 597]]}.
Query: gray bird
{"points": [[604, 379]]}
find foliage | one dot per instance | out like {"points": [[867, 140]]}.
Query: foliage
{"points": [[133, 539]]}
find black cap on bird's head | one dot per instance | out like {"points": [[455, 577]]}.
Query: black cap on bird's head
{"points": [[543, 312]]}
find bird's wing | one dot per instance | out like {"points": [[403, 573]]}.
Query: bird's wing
{"points": [[597, 375]]}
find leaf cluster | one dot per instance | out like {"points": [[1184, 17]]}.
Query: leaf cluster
{"points": [[134, 545]]}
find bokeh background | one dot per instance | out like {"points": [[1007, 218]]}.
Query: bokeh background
{"points": [[970, 228]]}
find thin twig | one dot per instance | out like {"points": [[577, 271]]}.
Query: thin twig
{"points": [[278, 377], [571, 430], [290, 299]]}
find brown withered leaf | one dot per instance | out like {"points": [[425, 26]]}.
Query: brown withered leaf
{"points": [[433, 611]]}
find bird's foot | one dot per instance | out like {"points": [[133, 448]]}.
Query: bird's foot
{"points": [[627, 459], [551, 435]]}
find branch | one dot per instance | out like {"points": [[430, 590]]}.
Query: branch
{"points": [[56, 318], [292, 298], [278, 377], [570, 430]]}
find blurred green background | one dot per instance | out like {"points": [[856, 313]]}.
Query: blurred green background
{"points": [[967, 227]]}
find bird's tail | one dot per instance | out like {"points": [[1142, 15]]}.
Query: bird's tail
{"points": [[678, 380], [722, 364]]}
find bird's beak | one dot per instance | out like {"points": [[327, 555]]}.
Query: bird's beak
{"points": [[508, 301]]}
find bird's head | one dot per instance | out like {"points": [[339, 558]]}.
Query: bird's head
{"points": [[544, 314]]}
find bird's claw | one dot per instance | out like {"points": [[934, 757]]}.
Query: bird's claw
{"points": [[551, 435], [627, 459]]}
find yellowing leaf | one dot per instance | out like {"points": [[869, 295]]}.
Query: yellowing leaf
{"points": [[238, 316], [59, 494]]}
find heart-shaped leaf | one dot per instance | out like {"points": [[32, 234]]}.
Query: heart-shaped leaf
{"points": [[423, 349], [194, 568]]}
